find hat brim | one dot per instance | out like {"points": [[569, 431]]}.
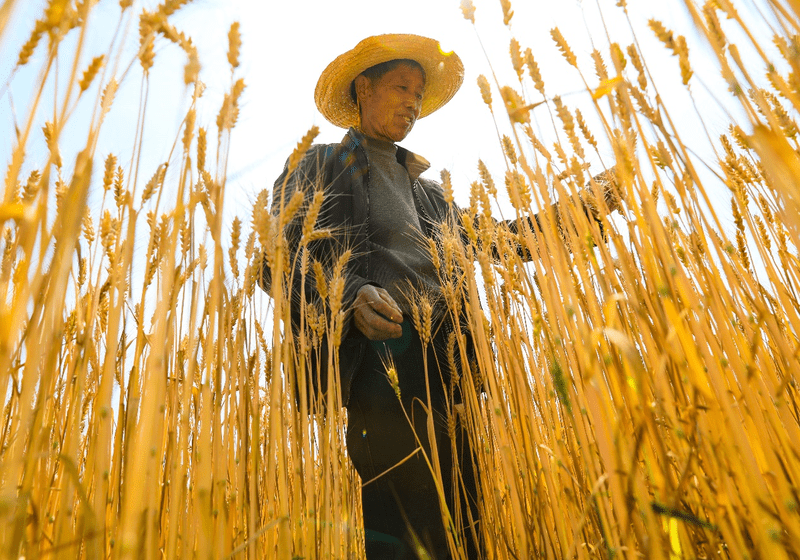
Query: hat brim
{"points": [[444, 74]]}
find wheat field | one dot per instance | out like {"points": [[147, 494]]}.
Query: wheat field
{"points": [[634, 393]]}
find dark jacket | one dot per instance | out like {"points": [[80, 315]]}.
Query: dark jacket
{"points": [[343, 171]]}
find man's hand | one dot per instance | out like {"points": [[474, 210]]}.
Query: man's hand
{"points": [[609, 186], [376, 314]]}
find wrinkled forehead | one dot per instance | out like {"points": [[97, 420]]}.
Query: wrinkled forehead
{"points": [[406, 76], [378, 72], [400, 66], [411, 66]]}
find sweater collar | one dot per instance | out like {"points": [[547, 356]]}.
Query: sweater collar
{"points": [[415, 164]]}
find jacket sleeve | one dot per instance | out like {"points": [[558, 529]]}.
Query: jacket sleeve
{"points": [[313, 173], [533, 222]]}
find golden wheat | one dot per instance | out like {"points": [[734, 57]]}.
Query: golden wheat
{"points": [[633, 391]]}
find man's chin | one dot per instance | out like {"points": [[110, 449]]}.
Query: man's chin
{"points": [[401, 134]]}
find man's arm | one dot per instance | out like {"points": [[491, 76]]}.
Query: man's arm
{"points": [[534, 222], [313, 174]]}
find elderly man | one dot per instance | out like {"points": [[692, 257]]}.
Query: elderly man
{"points": [[378, 205]]}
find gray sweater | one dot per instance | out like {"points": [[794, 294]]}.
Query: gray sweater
{"points": [[400, 256]]}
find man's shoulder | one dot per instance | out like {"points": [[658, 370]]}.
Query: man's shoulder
{"points": [[317, 157], [321, 151], [331, 152], [433, 188], [326, 161]]}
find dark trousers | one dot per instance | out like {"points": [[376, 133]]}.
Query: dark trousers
{"points": [[399, 496]]}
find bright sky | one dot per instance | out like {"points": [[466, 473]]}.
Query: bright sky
{"points": [[287, 44]]}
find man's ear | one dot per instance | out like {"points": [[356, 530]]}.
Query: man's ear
{"points": [[363, 86]]}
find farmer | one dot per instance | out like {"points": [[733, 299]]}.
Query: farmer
{"points": [[377, 204]]}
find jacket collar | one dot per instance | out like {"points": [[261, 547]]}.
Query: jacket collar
{"points": [[415, 164]]}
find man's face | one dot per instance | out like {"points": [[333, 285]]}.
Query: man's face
{"points": [[390, 106]]}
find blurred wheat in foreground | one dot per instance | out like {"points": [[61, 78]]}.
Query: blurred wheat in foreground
{"points": [[642, 404]]}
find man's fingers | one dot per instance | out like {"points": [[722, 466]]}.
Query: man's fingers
{"points": [[388, 299], [389, 309], [381, 322], [377, 315], [384, 299], [381, 302], [375, 326]]}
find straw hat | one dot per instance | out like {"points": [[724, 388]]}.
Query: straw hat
{"points": [[443, 74]]}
